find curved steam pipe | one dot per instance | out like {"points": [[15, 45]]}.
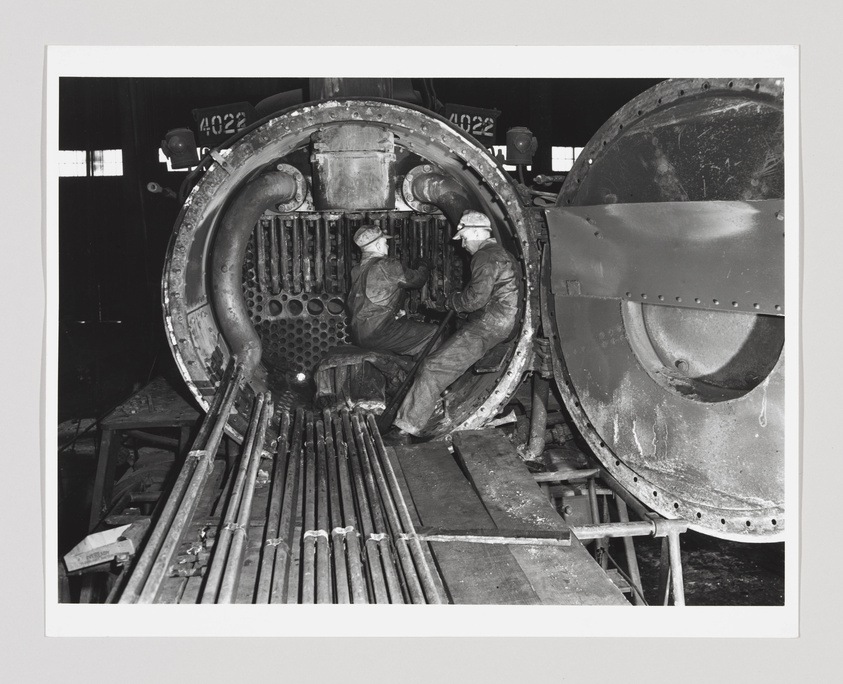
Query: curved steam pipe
{"points": [[443, 192], [227, 264]]}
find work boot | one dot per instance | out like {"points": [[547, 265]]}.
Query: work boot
{"points": [[397, 437]]}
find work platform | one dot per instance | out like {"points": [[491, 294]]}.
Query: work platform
{"points": [[327, 513], [485, 486]]}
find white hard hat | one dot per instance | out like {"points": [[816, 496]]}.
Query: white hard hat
{"points": [[473, 224], [368, 234]]}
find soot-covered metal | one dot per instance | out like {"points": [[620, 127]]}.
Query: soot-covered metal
{"points": [[260, 260]]}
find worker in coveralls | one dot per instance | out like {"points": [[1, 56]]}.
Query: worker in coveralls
{"points": [[490, 298], [377, 294]]}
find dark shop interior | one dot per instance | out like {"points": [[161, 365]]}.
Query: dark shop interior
{"points": [[228, 433]]}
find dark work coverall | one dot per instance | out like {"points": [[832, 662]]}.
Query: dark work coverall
{"points": [[492, 297], [376, 296]]}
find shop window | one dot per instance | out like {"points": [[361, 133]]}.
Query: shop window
{"points": [[75, 163]]}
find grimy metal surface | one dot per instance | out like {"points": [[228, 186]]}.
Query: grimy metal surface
{"points": [[684, 406], [699, 255], [299, 255]]}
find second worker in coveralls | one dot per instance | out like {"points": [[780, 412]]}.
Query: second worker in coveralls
{"points": [[376, 298], [490, 298]]}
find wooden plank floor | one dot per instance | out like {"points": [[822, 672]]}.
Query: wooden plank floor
{"points": [[484, 485], [472, 573]]}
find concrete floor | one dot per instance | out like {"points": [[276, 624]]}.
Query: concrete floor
{"points": [[719, 572]]}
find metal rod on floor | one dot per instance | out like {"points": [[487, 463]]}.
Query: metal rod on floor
{"points": [[324, 592], [223, 541], [178, 506], [234, 563], [371, 464], [338, 531], [379, 588], [433, 590], [282, 546], [308, 546], [393, 583], [273, 518], [351, 535]]}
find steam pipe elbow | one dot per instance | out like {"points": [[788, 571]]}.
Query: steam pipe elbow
{"points": [[443, 192], [227, 264]]}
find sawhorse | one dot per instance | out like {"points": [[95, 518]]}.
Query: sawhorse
{"points": [[155, 407]]}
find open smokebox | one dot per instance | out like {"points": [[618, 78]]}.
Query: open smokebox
{"points": [[260, 261], [656, 280]]}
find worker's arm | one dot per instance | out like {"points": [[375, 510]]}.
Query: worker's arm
{"points": [[404, 277], [484, 273]]}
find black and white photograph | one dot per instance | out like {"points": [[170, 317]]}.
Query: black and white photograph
{"points": [[465, 341], [484, 341]]}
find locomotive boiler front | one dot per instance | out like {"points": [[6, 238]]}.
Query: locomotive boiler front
{"points": [[260, 261], [661, 286]]}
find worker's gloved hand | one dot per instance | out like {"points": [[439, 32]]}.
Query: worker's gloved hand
{"points": [[449, 302], [422, 261]]}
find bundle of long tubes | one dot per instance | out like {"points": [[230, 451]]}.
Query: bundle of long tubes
{"points": [[334, 526], [357, 540]]}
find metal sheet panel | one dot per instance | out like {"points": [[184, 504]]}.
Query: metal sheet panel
{"points": [[726, 256]]}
